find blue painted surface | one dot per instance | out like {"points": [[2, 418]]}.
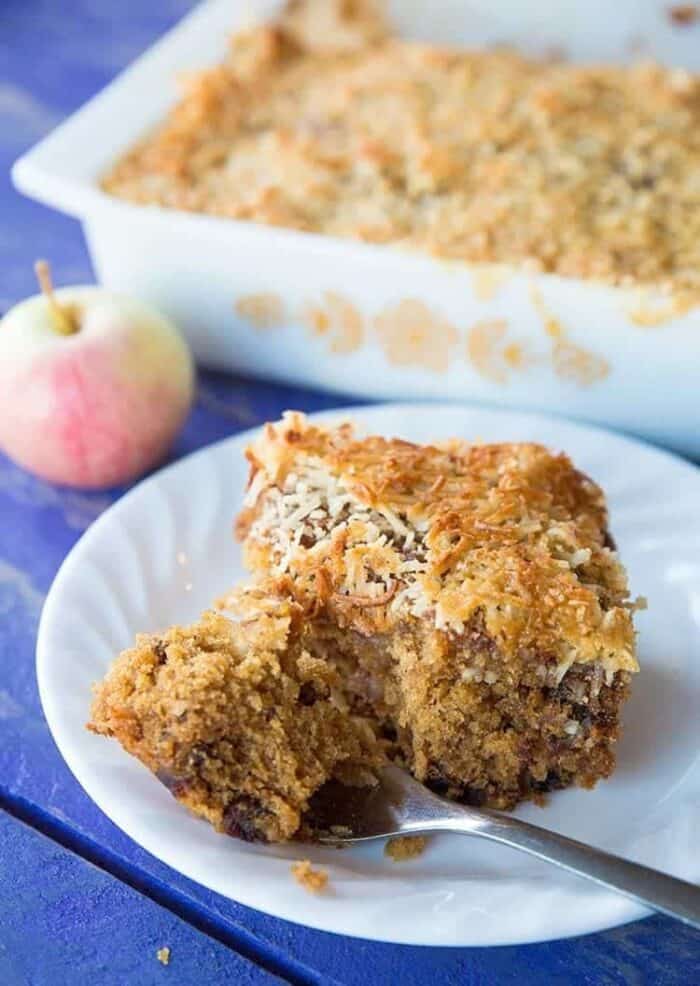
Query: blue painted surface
{"points": [[52, 57], [64, 928]]}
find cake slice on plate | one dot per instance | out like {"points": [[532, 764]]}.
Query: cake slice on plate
{"points": [[458, 608]]}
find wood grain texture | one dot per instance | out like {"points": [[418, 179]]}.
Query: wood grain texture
{"points": [[65, 921]]}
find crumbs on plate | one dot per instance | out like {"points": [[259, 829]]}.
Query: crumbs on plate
{"points": [[405, 847], [684, 13], [310, 879]]}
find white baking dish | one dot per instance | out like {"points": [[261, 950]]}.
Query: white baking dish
{"points": [[375, 321]]}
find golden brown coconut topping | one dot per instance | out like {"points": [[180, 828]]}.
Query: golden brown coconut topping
{"points": [[383, 530]]}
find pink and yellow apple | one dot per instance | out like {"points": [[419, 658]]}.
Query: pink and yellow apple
{"points": [[94, 386]]}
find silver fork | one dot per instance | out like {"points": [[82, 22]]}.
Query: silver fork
{"points": [[400, 805]]}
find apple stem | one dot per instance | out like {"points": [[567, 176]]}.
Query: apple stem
{"points": [[63, 318]]}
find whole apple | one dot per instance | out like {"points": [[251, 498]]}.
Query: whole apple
{"points": [[94, 386]]}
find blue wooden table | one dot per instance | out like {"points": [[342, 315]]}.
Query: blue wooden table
{"points": [[79, 902]]}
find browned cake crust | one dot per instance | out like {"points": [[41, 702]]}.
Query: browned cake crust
{"points": [[324, 122], [459, 609]]}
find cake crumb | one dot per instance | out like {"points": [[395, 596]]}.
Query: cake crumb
{"points": [[312, 880], [684, 13], [405, 847], [163, 955]]}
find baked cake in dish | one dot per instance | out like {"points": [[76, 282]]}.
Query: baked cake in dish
{"points": [[457, 608], [325, 122]]}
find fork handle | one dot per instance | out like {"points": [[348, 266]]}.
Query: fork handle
{"points": [[658, 891]]}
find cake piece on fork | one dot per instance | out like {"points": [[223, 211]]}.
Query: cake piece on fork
{"points": [[235, 716]]}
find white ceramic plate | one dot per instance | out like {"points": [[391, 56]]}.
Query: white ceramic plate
{"points": [[159, 556]]}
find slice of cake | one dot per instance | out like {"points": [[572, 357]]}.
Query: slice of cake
{"points": [[457, 608], [473, 593]]}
